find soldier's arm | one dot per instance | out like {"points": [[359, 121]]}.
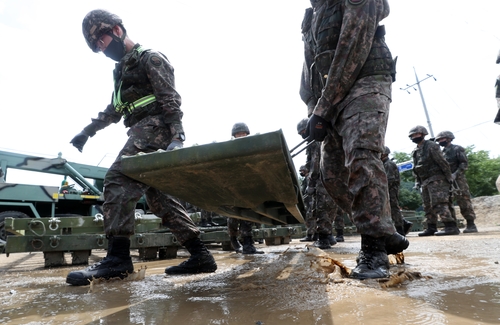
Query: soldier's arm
{"points": [[103, 119], [360, 22], [439, 159], [463, 162]]}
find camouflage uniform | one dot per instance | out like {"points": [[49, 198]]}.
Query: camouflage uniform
{"points": [[433, 173], [241, 227], [456, 157], [393, 179], [142, 72], [355, 68]]}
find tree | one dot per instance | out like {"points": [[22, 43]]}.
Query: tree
{"points": [[482, 172]]}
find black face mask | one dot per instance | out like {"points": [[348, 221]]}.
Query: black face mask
{"points": [[115, 49], [302, 174], [443, 143], [417, 140]]}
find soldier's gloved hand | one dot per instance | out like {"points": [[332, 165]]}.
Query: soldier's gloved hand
{"points": [[176, 143], [316, 128], [79, 140], [417, 186]]}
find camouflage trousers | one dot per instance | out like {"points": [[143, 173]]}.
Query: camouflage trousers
{"points": [[463, 199], [241, 227], [396, 214], [338, 221], [310, 220], [437, 203], [325, 210], [121, 193], [351, 168]]}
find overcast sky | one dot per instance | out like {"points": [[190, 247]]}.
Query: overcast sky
{"points": [[236, 61]]}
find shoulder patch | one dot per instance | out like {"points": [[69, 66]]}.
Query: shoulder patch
{"points": [[356, 2], [155, 60]]}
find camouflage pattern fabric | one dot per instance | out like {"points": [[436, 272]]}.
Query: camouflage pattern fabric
{"points": [[121, 193], [433, 173], [241, 227], [394, 181], [456, 157], [354, 68], [338, 221]]}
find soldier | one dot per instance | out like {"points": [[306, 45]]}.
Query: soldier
{"points": [[456, 157], [350, 78], [323, 209], [206, 219], [433, 176], [310, 222], [238, 226], [145, 96], [391, 170]]}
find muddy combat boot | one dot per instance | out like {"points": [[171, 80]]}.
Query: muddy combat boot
{"points": [[332, 239], [236, 244], [116, 264], [430, 231], [248, 247], [200, 261], [407, 226], [340, 235], [323, 242], [400, 230], [471, 227], [308, 237], [450, 228], [373, 262], [396, 243]]}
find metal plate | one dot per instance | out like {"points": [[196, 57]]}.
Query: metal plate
{"points": [[251, 178]]}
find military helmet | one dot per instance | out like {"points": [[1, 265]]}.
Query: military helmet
{"points": [[97, 23], [303, 167], [387, 150], [240, 127], [418, 129], [445, 134], [301, 126]]}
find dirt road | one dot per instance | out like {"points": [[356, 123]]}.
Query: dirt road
{"points": [[459, 284]]}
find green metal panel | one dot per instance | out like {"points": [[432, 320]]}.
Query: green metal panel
{"points": [[33, 193], [251, 178]]}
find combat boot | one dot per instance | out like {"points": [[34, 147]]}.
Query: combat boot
{"points": [[236, 244], [396, 243], [450, 228], [200, 261], [407, 226], [248, 247], [323, 242], [340, 235], [372, 260], [400, 230], [332, 239], [471, 227], [430, 231], [116, 264], [308, 237]]}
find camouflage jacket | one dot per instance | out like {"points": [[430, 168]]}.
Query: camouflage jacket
{"points": [[350, 53], [392, 172], [456, 157], [429, 163], [138, 74]]}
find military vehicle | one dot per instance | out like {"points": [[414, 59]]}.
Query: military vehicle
{"points": [[261, 186]]}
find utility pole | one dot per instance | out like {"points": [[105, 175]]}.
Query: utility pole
{"points": [[422, 97]]}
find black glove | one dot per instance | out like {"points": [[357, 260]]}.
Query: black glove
{"points": [[79, 141], [316, 128]]}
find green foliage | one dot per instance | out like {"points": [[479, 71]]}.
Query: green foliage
{"points": [[401, 157], [482, 173], [409, 199]]}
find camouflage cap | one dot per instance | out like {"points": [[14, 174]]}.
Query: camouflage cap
{"points": [[97, 23], [445, 134], [302, 125], [418, 129], [240, 127]]}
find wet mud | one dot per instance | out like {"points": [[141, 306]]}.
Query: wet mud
{"points": [[456, 280]]}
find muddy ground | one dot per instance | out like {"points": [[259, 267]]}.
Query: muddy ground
{"points": [[456, 280]]}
